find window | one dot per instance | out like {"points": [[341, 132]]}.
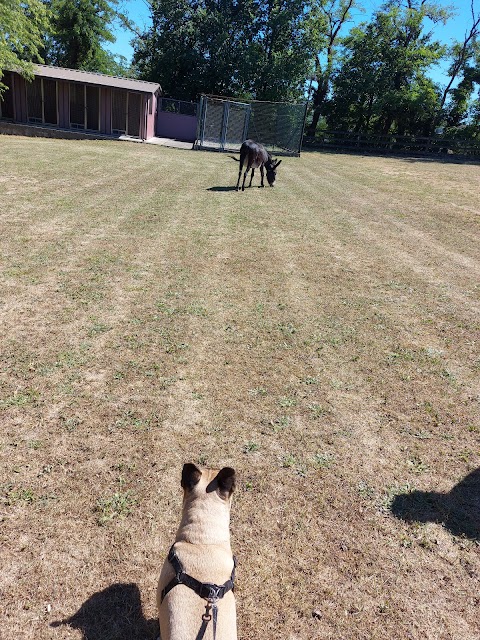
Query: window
{"points": [[84, 107], [42, 101], [6, 98], [126, 112]]}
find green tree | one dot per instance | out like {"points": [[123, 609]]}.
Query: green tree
{"points": [[284, 43], [22, 24], [255, 48], [382, 85], [79, 31], [464, 76], [330, 17]]}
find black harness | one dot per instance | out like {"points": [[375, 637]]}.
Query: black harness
{"points": [[208, 591]]}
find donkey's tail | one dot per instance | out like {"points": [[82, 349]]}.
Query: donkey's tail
{"points": [[233, 158]]}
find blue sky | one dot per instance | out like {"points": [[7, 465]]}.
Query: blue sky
{"points": [[138, 11]]}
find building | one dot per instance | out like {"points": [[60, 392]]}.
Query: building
{"points": [[81, 101]]}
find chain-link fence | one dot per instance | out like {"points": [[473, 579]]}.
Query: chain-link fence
{"points": [[224, 124]]}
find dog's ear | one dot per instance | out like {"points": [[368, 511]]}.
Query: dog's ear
{"points": [[191, 475], [226, 482]]}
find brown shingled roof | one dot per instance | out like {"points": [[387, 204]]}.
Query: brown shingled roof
{"points": [[88, 77]]}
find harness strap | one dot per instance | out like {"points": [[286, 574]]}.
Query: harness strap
{"points": [[206, 590], [209, 591]]}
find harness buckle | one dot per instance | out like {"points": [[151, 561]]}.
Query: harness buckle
{"points": [[211, 592], [207, 616]]}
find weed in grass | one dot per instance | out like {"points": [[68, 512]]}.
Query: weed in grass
{"points": [[12, 496], [400, 354], [196, 310], [97, 328], [434, 354], [318, 411], [163, 307], [473, 428], [287, 329], [421, 435], [391, 492], [289, 461], [431, 411], [250, 447], [70, 424], [202, 459], [197, 396], [167, 382], [365, 490], [248, 486], [323, 460], [34, 444], [130, 419], [287, 401], [416, 465], [465, 455], [278, 424], [449, 376], [125, 466], [21, 399], [310, 380], [175, 347], [258, 391], [115, 506]]}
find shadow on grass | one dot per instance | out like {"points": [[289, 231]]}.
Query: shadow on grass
{"points": [[222, 189], [113, 614], [458, 511]]}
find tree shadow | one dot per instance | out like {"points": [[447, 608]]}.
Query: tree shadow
{"points": [[405, 156], [113, 614], [458, 511]]}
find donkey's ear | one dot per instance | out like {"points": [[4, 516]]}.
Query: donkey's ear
{"points": [[277, 163], [226, 482], [191, 475]]}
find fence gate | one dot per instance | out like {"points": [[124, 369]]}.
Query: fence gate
{"points": [[224, 124]]}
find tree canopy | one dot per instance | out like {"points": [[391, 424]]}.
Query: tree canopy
{"points": [[79, 31], [22, 25], [255, 48]]}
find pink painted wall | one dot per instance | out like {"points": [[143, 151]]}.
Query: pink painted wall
{"points": [[151, 116], [175, 125]]}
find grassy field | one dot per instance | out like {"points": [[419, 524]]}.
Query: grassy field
{"points": [[321, 337]]}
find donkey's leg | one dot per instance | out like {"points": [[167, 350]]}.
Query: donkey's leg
{"points": [[261, 172], [245, 177], [251, 177], [239, 174]]}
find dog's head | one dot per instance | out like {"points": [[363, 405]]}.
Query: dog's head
{"points": [[198, 482]]}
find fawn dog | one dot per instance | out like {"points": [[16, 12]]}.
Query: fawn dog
{"points": [[195, 591]]}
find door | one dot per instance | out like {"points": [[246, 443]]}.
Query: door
{"points": [[92, 99], [119, 111], [77, 106], [133, 114]]}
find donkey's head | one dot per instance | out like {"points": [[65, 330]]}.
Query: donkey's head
{"points": [[271, 168]]}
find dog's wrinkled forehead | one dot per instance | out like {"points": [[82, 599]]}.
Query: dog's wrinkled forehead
{"points": [[204, 481]]}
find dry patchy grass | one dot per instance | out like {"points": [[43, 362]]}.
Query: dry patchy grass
{"points": [[321, 337]]}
